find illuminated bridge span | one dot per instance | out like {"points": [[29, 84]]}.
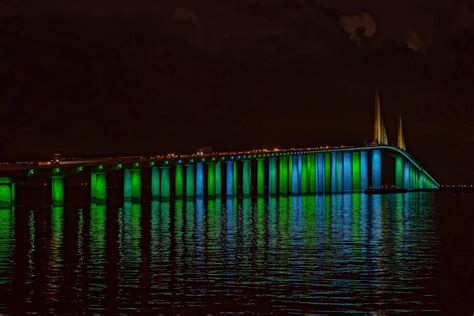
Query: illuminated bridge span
{"points": [[321, 170]]}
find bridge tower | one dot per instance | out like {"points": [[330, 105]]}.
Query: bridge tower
{"points": [[400, 138], [380, 134]]}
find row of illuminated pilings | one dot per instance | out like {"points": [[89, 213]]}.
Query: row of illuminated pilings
{"points": [[331, 172]]}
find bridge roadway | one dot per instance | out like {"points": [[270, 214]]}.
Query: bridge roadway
{"points": [[308, 170]]}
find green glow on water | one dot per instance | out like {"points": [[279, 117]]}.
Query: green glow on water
{"points": [[260, 177], [6, 192], [283, 178], [56, 245], [189, 181], [165, 183], [7, 237], [304, 174], [399, 172], [327, 172], [155, 183], [136, 184], [356, 171], [218, 175], [178, 183], [211, 179], [101, 188], [97, 247], [57, 190], [246, 178]]}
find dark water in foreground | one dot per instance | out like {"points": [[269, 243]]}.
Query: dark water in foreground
{"points": [[343, 253]]}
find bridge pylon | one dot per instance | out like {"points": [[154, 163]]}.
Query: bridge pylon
{"points": [[380, 133], [400, 139]]}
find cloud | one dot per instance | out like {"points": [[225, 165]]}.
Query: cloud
{"points": [[351, 23]]}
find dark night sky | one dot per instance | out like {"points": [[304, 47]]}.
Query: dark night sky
{"points": [[116, 77]]}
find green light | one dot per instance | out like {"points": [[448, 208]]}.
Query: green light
{"points": [[100, 167], [57, 190], [101, 187], [152, 163], [79, 169], [327, 172], [136, 165], [356, 171], [31, 172], [119, 166], [178, 181], [211, 180], [57, 170], [136, 184], [7, 192], [260, 177]]}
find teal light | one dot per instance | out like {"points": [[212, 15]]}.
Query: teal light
{"points": [[152, 163]]}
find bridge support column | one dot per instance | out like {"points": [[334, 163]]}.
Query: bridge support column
{"points": [[295, 175], [155, 183], [199, 179], [272, 176], [229, 178], [260, 177], [304, 174], [406, 175], [399, 172], [7, 192], [57, 190], [356, 171], [92, 186], [376, 169], [178, 181], [189, 181], [236, 183], [290, 174], [334, 172], [300, 173], [127, 185], [136, 184], [218, 183], [319, 173], [283, 178], [420, 179], [347, 172], [246, 178], [340, 172], [327, 172], [364, 171], [211, 179], [312, 173], [100, 187], [165, 183]]}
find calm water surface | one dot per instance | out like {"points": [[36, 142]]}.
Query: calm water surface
{"points": [[295, 254]]}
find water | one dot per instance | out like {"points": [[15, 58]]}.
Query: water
{"points": [[342, 253]]}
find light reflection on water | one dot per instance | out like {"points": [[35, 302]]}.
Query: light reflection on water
{"points": [[311, 253]]}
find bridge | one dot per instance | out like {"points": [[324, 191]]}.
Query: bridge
{"points": [[294, 171]]}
